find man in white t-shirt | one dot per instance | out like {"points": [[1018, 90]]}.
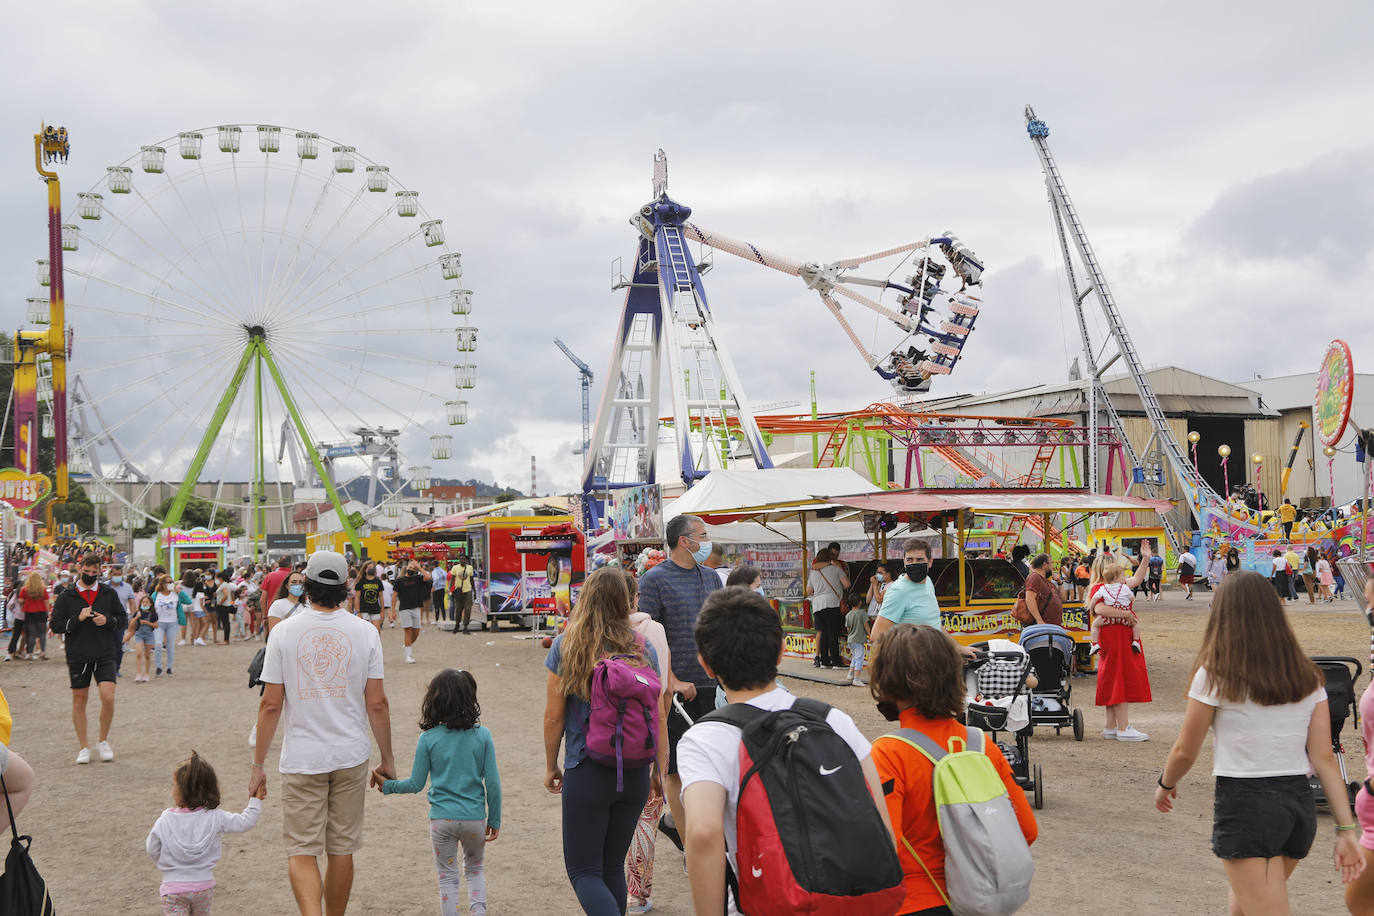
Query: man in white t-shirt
{"points": [[323, 670], [739, 642]]}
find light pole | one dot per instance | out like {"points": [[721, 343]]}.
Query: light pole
{"points": [[1330, 454], [1258, 461], [1194, 438]]}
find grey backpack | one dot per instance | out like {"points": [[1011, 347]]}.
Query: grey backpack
{"points": [[988, 867]]}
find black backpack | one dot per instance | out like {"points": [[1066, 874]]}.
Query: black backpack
{"points": [[808, 838], [23, 892]]}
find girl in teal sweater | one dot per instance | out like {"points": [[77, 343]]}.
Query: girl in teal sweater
{"points": [[465, 791]]}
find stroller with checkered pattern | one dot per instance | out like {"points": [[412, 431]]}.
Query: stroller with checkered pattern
{"points": [[999, 680]]}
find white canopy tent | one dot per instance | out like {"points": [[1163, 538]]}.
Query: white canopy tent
{"points": [[773, 494]]}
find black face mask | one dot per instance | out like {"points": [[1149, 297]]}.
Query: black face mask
{"points": [[916, 572], [88, 578], [889, 710]]}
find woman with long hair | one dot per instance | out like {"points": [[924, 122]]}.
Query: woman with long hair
{"points": [[598, 817], [37, 604], [1265, 703]]}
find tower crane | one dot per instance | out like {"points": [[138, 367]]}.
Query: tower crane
{"points": [[586, 372]]}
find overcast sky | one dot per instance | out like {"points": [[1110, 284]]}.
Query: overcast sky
{"points": [[1220, 155]]}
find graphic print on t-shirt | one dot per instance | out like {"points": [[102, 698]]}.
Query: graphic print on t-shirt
{"points": [[322, 656]]}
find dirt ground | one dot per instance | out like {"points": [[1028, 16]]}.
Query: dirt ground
{"points": [[1102, 846]]}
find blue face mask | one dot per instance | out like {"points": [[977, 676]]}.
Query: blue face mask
{"points": [[115, 580], [703, 551], [295, 590], [760, 590]]}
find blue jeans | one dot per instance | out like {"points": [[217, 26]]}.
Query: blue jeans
{"points": [[167, 632], [598, 825]]}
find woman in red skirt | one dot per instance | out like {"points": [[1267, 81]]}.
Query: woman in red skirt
{"points": [[1122, 678]]}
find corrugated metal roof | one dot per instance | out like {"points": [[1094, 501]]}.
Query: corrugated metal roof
{"points": [[1180, 391]]}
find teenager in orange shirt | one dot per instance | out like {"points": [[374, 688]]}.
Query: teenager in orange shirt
{"points": [[918, 679]]}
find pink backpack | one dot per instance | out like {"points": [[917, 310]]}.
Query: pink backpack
{"points": [[623, 729]]}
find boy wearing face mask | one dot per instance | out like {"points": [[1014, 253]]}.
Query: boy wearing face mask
{"points": [[412, 595], [89, 615]]}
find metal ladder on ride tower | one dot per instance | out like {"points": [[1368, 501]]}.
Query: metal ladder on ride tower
{"points": [[1161, 437], [709, 399]]}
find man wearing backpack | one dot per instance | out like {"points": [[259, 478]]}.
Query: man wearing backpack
{"points": [[838, 800]]}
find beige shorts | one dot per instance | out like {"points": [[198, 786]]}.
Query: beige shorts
{"points": [[323, 812]]}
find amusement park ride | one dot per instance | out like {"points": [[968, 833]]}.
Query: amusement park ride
{"points": [[293, 272], [667, 317]]}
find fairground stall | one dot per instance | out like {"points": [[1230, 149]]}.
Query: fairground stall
{"points": [[634, 519], [510, 584], [195, 548], [766, 519], [977, 594]]}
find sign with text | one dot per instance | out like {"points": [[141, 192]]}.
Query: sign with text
{"points": [[195, 537], [20, 490]]}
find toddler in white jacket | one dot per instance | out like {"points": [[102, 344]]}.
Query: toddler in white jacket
{"points": [[185, 841]]}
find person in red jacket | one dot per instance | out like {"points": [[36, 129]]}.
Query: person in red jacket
{"points": [[918, 678], [89, 614]]}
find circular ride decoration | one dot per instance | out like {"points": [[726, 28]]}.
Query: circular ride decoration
{"points": [[1335, 389], [259, 284]]}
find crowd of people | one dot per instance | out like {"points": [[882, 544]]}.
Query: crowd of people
{"points": [[662, 704]]}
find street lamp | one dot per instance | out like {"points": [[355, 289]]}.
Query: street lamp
{"points": [[1225, 452]]}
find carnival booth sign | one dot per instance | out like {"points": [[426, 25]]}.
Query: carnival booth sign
{"points": [[21, 490], [196, 548]]}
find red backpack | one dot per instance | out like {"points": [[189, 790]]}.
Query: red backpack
{"points": [[809, 840]]}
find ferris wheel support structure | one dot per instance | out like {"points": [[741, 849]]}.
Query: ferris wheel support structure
{"points": [[256, 355]]}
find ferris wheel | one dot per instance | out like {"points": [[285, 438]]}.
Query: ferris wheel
{"points": [[227, 282]]}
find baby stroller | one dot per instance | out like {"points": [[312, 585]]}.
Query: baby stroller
{"points": [[999, 678], [1340, 697], [1051, 650]]}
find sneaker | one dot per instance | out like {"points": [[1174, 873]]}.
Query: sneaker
{"points": [[669, 829], [159, 673], [1094, 649], [410, 659], [169, 672], [640, 907], [1109, 734], [83, 755], [181, 642], [198, 642], [1135, 646], [106, 755], [1130, 734], [859, 683]]}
